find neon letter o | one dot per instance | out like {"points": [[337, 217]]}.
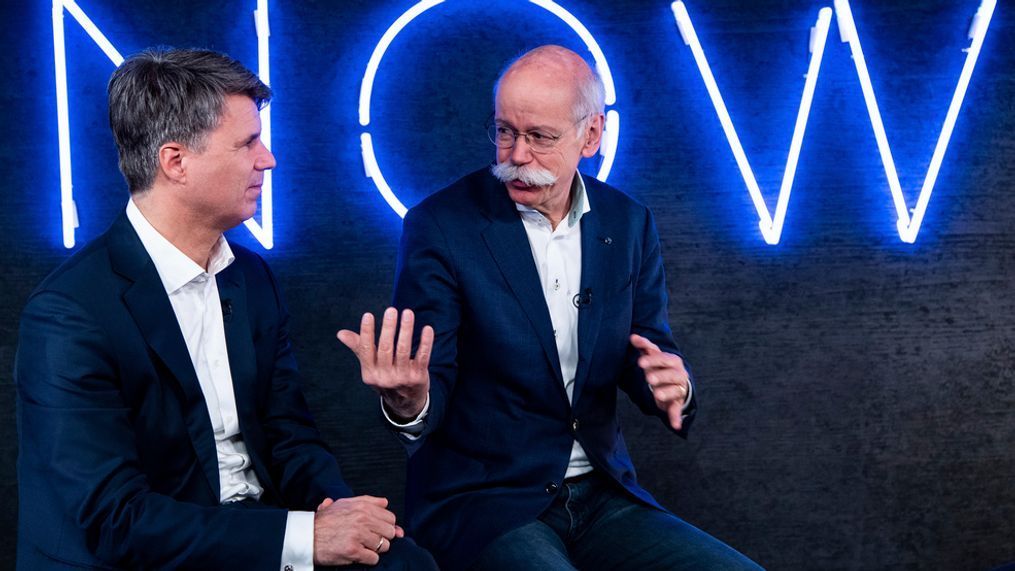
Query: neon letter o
{"points": [[608, 148]]}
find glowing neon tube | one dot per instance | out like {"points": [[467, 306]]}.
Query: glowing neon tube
{"points": [[770, 226], [908, 227]]}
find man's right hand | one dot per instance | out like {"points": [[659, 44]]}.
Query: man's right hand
{"points": [[402, 382], [353, 530]]}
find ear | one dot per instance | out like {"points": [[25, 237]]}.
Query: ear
{"points": [[171, 161], [593, 136]]}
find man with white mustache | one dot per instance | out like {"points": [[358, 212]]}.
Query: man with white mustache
{"points": [[536, 304]]}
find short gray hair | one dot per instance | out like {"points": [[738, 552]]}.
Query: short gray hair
{"points": [[591, 99], [164, 94]]}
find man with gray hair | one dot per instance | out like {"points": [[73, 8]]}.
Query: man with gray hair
{"points": [[161, 418], [541, 292]]}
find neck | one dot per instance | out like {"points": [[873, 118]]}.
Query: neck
{"points": [[175, 225], [557, 212]]}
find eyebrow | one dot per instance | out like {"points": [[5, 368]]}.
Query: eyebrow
{"points": [[503, 123], [253, 137]]}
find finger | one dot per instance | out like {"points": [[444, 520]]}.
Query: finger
{"points": [[667, 394], [675, 414], [367, 353], [327, 502], [384, 527], [665, 377], [377, 501], [385, 545], [661, 377], [379, 519], [404, 348], [642, 344], [425, 348], [399, 532], [386, 343], [661, 360], [365, 555]]}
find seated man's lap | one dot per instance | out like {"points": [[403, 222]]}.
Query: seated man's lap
{"points": [[531, 546], [594, 525]]}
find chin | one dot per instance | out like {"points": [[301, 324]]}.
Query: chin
{"points": [[526, 197]]}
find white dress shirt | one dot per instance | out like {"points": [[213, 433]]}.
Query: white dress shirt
{"points": [[557, 253], [558, 256], [193, 293]]}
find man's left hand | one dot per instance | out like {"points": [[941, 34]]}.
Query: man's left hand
{"points": [[667, 378]]}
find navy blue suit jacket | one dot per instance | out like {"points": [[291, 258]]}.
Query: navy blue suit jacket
{"points": [[499, 432], [117, 465]]}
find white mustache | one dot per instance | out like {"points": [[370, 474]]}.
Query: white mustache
{"points": [[528, 175]]}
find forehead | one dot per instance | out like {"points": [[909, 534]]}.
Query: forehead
{"points": [[535, 96], [240, 117]]}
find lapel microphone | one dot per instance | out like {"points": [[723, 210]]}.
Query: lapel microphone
{"points": [[227, 309], [582, 300]]}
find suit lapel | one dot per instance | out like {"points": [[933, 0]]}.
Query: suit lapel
{"points": [[593, 282], [148, 304], [242, 363], [509, 246]]}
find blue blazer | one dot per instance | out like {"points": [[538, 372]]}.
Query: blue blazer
{"points": [[117, 465], [499, 432]]}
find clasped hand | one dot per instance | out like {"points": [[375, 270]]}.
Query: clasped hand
{"points": [[353, 530]]}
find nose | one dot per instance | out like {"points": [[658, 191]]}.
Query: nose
{"points": [[521, 152], [266, 161]]}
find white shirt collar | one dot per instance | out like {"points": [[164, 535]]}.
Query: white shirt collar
{"points": [[175, 268], [579, 202]]}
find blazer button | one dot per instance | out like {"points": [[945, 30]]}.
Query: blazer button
{"points": [[574, 426], [552, 487]]}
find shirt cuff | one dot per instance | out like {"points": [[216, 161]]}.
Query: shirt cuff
{"points": [[414, 427], [298, 545]]}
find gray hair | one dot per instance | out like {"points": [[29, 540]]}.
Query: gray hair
{"points": [[590, 99], [162, 95]]}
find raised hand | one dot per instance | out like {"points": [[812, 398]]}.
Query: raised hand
{"points": [[402, 381]]}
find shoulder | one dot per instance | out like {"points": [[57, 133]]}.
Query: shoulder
{"points": [[609, 199], [616, 208], [87, 270]]}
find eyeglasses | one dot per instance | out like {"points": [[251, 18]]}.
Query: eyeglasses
{"points": [[539, 141]]}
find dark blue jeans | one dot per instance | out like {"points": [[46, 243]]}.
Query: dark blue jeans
{"points": [[594, 525]]}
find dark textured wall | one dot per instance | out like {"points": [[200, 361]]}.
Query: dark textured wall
{"points": [[857, 393]]}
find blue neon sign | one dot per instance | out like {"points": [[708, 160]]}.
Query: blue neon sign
{"points": [[909, 221], [607, 150], [263, 231]]}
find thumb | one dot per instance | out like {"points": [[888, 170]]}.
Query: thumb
{"points": [[348, 338]]}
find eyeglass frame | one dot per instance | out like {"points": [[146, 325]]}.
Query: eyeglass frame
{"points": [[491, 124]]}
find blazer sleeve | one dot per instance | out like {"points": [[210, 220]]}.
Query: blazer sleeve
{"points": [[426, 282], [77, 442], [650, 319], [302, 465]]}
